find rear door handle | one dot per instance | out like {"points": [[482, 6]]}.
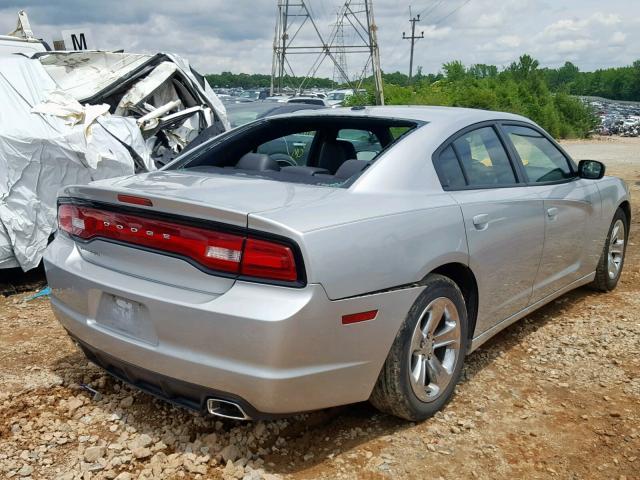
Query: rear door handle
{"points": [[552, 213], [481, 222]]}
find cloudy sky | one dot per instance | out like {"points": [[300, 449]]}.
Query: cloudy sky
{"points": [[237, 35]]}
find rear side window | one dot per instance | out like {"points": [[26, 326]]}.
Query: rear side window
{"points": [[542, 161], [449, 170], [483, 159]]}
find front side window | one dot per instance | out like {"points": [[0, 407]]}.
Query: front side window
{"points": [[542, 161], [483, 159]]}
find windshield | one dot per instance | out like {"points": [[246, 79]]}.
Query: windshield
{"points": [[336, 96], [250, 94]]}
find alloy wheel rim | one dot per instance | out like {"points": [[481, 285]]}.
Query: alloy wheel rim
{"points": [[434, 350], [616, 249]]}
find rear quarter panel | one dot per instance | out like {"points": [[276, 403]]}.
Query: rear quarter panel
{"points": [[372, 242]]}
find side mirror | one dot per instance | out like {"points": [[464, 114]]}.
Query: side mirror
{"points": [[591, 169]]}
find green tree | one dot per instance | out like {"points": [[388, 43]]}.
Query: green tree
{"points": [[454, 71]]}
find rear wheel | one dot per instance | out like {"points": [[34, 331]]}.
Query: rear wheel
{"points": [[612, 259], [425, 361]]}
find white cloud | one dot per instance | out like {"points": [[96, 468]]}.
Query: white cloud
{"points": [[433, 32], [491, 20], [568, 27], [509, 41], [618, 38], [572, 46]]}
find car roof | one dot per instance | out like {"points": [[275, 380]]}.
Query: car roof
{"points": [[268, 107], [429, 114]]}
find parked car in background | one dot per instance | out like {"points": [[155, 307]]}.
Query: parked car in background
{"points": [[232, 285], [309, 101], [337, 97], [277, 99], [254, 94], [242, 114]]}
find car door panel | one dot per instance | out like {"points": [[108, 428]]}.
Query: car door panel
{"points": [[571, 213], [571, 208], [505, 235]]}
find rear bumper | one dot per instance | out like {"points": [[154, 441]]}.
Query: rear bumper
{"points": [[173, 390], [274, 350]]}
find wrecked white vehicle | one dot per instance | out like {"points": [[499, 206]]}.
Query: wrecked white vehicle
{"points": [[76, 117], [170, 101], [21, 39]]}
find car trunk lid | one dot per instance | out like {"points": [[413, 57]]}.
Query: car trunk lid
{"points": [[222, 203]]}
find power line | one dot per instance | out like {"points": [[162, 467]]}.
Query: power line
{"points": [[451, 13], [437, 4]]}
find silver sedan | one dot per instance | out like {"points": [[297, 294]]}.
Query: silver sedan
{"points": [[362, 264]]}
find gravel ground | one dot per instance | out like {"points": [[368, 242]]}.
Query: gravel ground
{"points": [[557, 395]]}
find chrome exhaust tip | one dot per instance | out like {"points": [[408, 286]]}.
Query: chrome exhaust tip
{"points": [[226, 409]]}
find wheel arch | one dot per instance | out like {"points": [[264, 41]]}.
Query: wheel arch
{"points": [[464, 277], [625, 206]]}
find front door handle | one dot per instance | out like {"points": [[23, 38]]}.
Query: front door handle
{"points": [[481, 222], [552, 213]]}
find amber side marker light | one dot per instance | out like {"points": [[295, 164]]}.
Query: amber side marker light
{"points": [[135, 200], [359, 317]]}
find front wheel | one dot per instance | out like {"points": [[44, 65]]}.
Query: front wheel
{"points": [[612, 259], [426, 358]]}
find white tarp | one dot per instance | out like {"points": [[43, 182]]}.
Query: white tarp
{"points": [[66, 143]]}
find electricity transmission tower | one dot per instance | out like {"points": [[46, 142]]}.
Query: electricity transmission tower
{"points": [[294, 15], [413, 39], [341, 56]]}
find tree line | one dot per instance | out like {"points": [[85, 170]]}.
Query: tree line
{"points": [[619, 83], [257, 80], [545, 95], [520, 88], [622, 83]]}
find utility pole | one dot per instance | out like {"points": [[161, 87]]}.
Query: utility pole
{"points": [[374, 52], [413, 39]]}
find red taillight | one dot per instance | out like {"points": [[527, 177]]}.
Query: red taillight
{"points": [[226, 252], [266, 259]]}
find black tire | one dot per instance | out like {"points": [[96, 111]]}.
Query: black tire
{"points": [[393, 392], [603, 281]]}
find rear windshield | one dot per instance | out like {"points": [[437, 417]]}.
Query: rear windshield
{"points": [[323, 150]]}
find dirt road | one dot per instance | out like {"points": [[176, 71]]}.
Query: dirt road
{"points": [[557, 395]]}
